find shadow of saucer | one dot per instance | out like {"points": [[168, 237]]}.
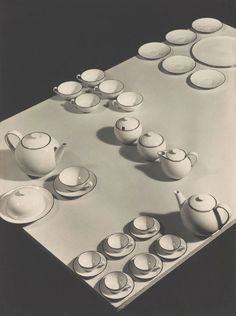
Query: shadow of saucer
{"points": [[131, 153], [172, 224], [153, 170], [9, 169], [106, 135], [49, 185]]}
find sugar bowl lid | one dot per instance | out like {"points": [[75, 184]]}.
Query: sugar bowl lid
{"points": [[127, 123], [35, 140], [176, 154], [151, 139], [202, 202]]}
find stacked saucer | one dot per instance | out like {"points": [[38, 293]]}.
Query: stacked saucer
{"points": [[170, 247], [145, 266], [118, 245], [75, 181], [144, 227]]}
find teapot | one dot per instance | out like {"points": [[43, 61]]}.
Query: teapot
{"points": [[176, 163], [36, 153], [202, 214]]}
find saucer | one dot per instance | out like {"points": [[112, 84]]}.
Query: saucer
{"points": [[216, 51], [49, 201], [207, 25], [181, 37], [126, 251], [154, 50], [62, 190], [145, 276], [119, 295], [89, 274], [170, 256], [147, 235], [207, 78], [178, 64]]}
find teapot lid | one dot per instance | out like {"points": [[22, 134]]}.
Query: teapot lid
{"points": [[176, 154], [35, 140], [127, 123], [202, 202], [151, 139]]}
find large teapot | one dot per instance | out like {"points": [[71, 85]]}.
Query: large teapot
{"points": [[202, 214], [37, 153]]}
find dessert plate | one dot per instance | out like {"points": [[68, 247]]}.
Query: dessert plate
{"points": [[173, 255], [216, 51], [178, 64], [149, 275], [119, 254], [89, 274], [207, 78], [181, 37], [146, 235], [154, 50], [119, 295], [207, 25], [63, 191], [4, 212]]}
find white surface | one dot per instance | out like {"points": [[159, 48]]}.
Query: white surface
{"points": [[127, 186]]}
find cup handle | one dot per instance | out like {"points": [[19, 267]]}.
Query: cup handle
{"points": [[78, 77], [87, 185], [126, 288], [195, 157], [8, 141], [55, 90], [156, 268], [129, 245], [100, 265], [72, 101], [219, 215], [151, 231]]}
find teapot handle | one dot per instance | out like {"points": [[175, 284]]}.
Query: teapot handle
{"points": [[195, 157], [8, 141], [222, 213]]}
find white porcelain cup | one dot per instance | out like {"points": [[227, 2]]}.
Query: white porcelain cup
{"points": [[91, 77], [89, 260], [68, 89], [116, 281], [118, 242], [87, 102], [170, 243], [128, 101], [145, 263], [144, 224], [75, 178], [110, 88]]}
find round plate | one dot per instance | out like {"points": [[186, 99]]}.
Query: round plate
{"points": [[60, 188], [178, 64], [122, 253], [116, 296], [88, 274], [170, 256], [157, 227], [181, 37], [207, 25], [145, 276], [49, 201], [207, 78], [216, 51], [154, 50]]}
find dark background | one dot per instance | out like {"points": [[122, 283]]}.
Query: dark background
{"points": [[43, 43]]}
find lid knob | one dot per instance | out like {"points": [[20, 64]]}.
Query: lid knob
{"points": [[149, 134]]}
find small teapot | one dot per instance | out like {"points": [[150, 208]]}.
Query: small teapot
{"points": [[176, 163], [37, 153], [202, 214]]}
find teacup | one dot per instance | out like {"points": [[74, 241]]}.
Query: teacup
{"points": [[110, 88], [91, 77], [68, 89], [144, 224], [128, 101], [170, 243], [116, 281], [87, 102], [89, 260], [118, 242], [145, 263], [75, 178]]}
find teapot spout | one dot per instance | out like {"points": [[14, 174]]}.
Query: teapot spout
{"points": [[60, 151], [180, 198]]}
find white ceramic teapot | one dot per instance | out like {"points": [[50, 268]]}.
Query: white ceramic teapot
{"points": [[37, 153], [176, 163], [202, 214]]}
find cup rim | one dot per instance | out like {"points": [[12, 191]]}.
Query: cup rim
{"points": [[133, 105], [109, 93], [144, 230], [87, 107], [117, 248], [116, 290], [146, 254], [73, 185], [91, 251], [68, 94], [90, 81], [167, 250]]}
